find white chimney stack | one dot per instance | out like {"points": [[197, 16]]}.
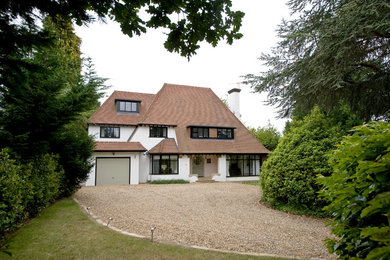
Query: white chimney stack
{"points": [[233, 100]]}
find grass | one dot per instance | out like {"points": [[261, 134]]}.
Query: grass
{"points": [[63, 231], [178, 181]]}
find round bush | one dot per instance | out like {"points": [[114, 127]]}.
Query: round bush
{"points": [[289, 174]]}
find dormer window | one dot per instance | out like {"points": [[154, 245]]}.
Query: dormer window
{"points": [[199, 132], [225, 133], [127, 106]]}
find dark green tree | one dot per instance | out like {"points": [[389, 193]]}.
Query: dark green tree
{"points": [[331, 51], [268, 135], [186, 22], [359, 193], [45, 102], [289, 174]]}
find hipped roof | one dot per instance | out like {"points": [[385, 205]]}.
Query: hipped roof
{"points": [[183, 106]]}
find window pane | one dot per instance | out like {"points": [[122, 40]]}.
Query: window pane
{"points": [[165, 157], [164, 134], [116, 132], [134, 106], [128, 106], [173, 166], [122, 106], [174, 157], [156, 166], [206, 132]]}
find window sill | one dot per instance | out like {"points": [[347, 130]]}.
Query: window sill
{"points": [[162, 174]]}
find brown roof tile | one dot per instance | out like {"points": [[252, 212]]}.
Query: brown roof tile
{"points": [[166, 146], [185, 105], [119, 146], [107, 113]]}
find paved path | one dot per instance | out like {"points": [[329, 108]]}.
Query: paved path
{"points": [[224, 216]]}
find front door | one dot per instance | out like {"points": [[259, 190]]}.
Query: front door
{"points": [[197, 166]]}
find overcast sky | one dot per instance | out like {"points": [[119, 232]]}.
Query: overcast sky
{"points": [[142, 64]]}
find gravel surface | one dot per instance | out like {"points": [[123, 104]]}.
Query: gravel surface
{"points": [[224, 216]]}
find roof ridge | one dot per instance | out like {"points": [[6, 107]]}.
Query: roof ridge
{"points": [[132, 92], [181, 85], [156, 96]]}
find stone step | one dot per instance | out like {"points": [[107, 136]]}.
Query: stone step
{"points": [[205, 180]]}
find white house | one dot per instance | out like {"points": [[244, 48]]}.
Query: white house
{"points": [[182, 132]]}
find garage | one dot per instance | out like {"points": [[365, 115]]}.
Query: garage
{"points": [[112, 171]]}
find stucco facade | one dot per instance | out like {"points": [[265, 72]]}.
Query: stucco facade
{"points": [[181, 132]]}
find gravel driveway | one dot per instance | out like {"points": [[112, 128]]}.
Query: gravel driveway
{"points": [[224, 216]]}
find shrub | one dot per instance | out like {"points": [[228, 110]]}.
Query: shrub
{"points": [[45, 181], [12, 193], [289, 174], [359, 193], [26, 188]]}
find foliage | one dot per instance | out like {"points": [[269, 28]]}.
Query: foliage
{"points": [[186, 22], [12, 193], [289, 174], [26, 188], [178, 181], [75, 147], [330, 51], [269, 136], [44, 106], [359, 193]]}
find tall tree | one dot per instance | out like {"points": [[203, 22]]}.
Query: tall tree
{"points": [[45, 100], [332, 51], [268, 135]]}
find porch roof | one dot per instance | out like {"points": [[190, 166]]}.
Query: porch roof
{"points": [[119, 147], [166, 146]]}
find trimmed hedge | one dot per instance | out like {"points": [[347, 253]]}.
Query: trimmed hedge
{"points": [[26, 188]]}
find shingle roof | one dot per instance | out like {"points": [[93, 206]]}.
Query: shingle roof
{"points": [[107, 113], [183, 106], [119, 146], [166, 146]]}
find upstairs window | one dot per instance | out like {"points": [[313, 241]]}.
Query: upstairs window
{"points": [[128, 106], [199, 132], [225, 133], [157, 131], [109, 132]]}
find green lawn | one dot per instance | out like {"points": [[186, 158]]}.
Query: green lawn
{"points": [[63, 231]]}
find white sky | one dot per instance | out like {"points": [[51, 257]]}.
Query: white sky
{"points": [[142, 64]]}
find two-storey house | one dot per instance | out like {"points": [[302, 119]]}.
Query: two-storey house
{"points": [[182, 132]]}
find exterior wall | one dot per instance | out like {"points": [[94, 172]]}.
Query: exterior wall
{"points": [[210, 169], [221, 169], [125, 132], [144, 163], [184, 172], [142, 135], [134, 165]]}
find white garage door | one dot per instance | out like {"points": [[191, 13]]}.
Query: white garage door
{"points": [[112, 171]]}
